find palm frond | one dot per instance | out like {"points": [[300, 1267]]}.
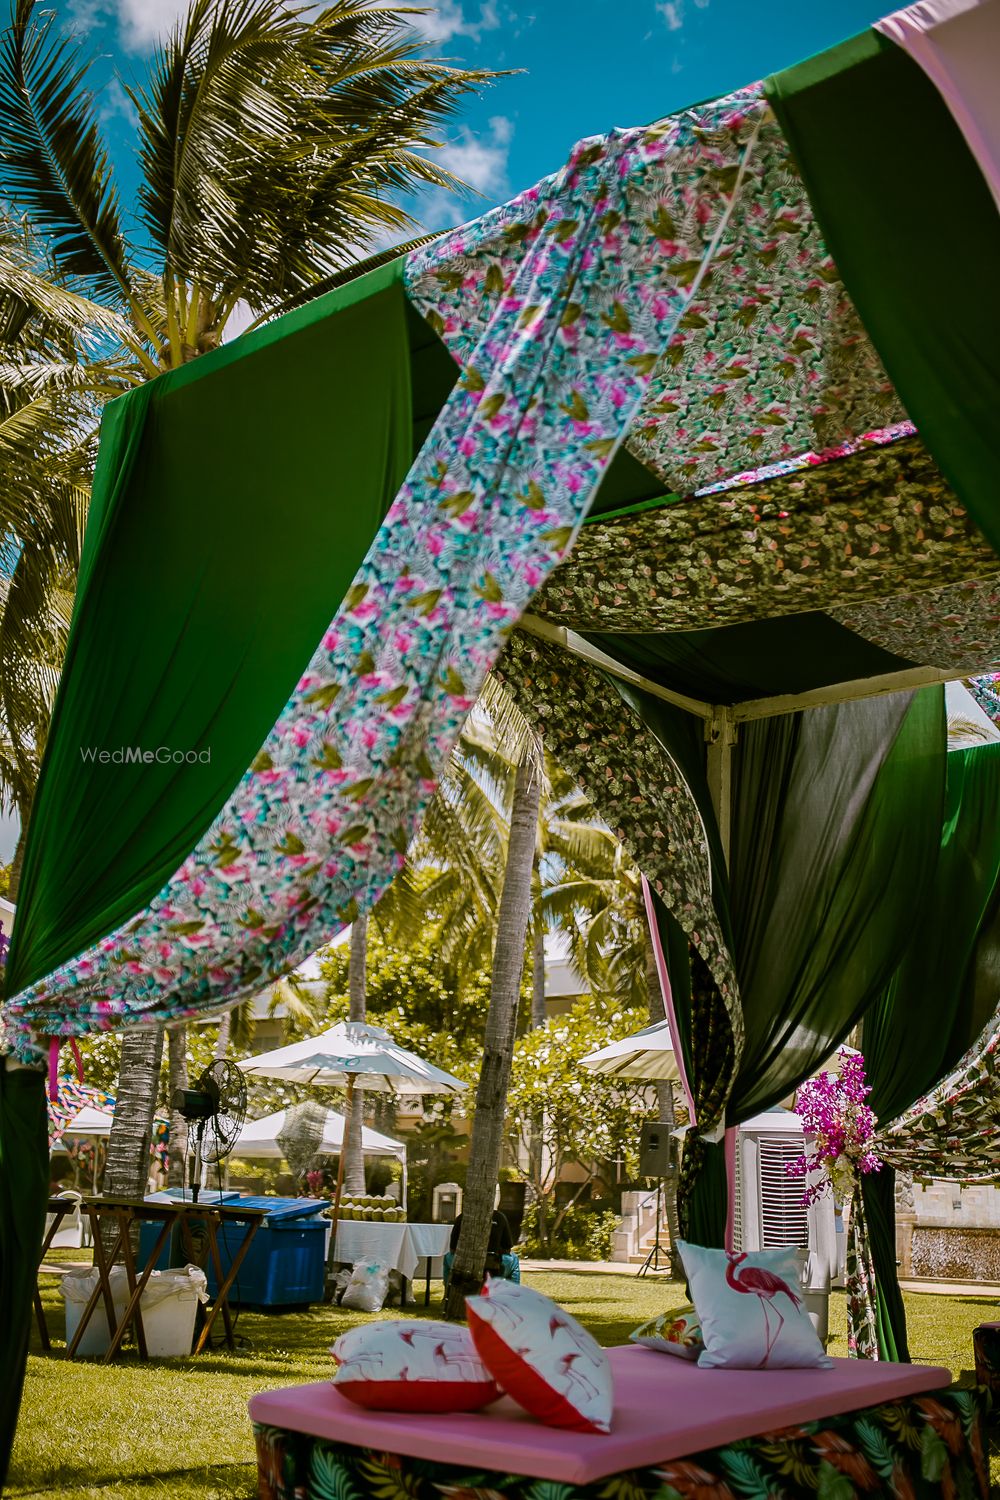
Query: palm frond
{"points": [[53, 162], [277, 144]]}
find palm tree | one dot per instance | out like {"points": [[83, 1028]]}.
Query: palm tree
{"points": [[354, 1160], [275, 145], [513, 917], [50, 381]]}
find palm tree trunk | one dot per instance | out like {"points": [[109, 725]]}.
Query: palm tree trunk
{"points": [[14, 878], [538, 1017], [664, 1103], [501, 1027], [127, 1166], [177, 1078], [225, 1028], [354, 1159]]}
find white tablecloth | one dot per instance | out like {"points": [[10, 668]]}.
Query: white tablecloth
{"points": [[401, 1247]]}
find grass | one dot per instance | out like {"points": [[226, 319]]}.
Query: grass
{"points": [[179, 1428]]}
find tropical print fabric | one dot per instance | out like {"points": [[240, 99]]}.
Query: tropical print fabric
{"points": [[767, 360], [953, 1131], [956, 629], [635, 786], [881, 522], [862, 1286], [553, 373], [915, 1449], [677, 1332]]}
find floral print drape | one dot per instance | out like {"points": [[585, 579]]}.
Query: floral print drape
{"points": [[555, 365], [880, 522]]}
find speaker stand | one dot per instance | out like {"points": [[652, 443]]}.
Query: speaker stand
{"points": [[657, 1253]]}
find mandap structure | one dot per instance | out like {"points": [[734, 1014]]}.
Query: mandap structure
{"points": [[695, 444]]}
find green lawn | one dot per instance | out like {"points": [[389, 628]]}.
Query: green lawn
{"points": [[180, 1428]]}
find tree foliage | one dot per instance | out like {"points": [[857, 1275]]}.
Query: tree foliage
{"points": [[560, 1116]]}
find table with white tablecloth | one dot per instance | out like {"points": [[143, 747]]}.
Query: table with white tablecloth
{"points": [[401, 1247]]}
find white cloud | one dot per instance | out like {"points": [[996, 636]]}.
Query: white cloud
{"points": [[144, 22], [480, 159], [448, 19], [141, 23], [672, 13], [115, 104]]}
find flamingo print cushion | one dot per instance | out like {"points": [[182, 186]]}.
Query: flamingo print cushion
{"points": [[677, 1332], [407, 1365], [751, 1309], [541, 1357]]}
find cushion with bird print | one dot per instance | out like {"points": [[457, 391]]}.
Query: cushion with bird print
{"points": [[751, 1309], [405, 1365], [541, 1357], [677, 1332]]}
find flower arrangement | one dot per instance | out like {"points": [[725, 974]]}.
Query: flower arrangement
{"points": [[833, 1111]]}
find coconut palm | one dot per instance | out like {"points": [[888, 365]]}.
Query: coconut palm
{"points": [[513, 917], [51, 381], [275, 145]]}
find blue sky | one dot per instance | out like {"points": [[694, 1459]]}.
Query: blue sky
{"points": [[588, 65]]}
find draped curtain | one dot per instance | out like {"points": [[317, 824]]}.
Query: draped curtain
{"points": [[940, 998]]}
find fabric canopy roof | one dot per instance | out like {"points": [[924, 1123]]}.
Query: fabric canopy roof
{"points": [[667, 310]]}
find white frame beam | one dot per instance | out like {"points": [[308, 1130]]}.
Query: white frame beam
{"points": [[754, 708]]}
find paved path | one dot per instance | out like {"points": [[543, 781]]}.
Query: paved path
{"points": [[988, 1290]]}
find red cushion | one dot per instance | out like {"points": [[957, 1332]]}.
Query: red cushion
{"points": [[542, 1357], [409, 1365], [419, 1395]]}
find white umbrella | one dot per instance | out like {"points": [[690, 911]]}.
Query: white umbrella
{"points": [[647, 1055], [349, 1055], [353, 1054], [260, 1137]]}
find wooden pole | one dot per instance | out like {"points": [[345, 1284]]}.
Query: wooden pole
{"points": [[343, 1153]]}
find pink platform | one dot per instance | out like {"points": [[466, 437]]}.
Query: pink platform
{"points": [[664, 1408]]}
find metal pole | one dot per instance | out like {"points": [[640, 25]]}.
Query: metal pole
{"points": [[343, 1152], [720, 732]]}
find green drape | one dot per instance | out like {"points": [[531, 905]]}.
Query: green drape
{"points": [[233, 502], [914, 232], [731, 663], [24, 1181], [940, 997], [836, 827]]}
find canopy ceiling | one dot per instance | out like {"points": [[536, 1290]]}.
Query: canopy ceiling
{"points": [[655, 341]]}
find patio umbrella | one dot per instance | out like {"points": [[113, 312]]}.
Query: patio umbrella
{"points": [[647, 1055], [348, 1055]]}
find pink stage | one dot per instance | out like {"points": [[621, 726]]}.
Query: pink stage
{"points": [[665, 1408]]}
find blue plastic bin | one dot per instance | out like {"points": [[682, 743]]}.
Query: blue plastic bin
{"points": [[286, 1263]]}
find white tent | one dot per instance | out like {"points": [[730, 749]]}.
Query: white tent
{"points": [[89, 1121], [353, 1053], [260, 1138]]}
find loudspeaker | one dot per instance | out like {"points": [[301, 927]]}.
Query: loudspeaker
{"points": [[656, 1149]]}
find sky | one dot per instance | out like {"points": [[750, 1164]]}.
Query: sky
{"points": [[587, 66]]}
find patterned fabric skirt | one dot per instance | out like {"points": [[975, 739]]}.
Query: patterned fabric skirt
{"points": [[912, 1449], [986, 1343]]}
